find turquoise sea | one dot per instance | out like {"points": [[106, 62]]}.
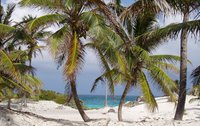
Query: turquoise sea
{"points": [[97, 101]]}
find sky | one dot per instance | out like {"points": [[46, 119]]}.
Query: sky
{"points": [[52, 77]]}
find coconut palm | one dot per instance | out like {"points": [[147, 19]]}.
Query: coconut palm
{"points": [[137, 63], [185, 7], [75, 20], [12, 75], [13, 57], [155, 39]]}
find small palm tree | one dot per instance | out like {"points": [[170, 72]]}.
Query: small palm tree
{"points": [[13, 68], [196, 90], [196, 80]]}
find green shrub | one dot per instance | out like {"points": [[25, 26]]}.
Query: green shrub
{"points": [[57, 97], [60, 99]]}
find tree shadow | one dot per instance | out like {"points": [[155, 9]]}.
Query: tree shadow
{"points": [[6, 118], [193, 109]]}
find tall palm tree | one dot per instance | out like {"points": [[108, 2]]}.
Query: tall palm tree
{"points": [[186, 7], [172, 31], [75, 19]]}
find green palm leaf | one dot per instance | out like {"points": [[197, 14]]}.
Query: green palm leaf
{"points": [[7, 66], [45, 21], [166, 58], [163, 80], [148, 95], [44, 4], [75, 57], [5, 30], [153, 38]]}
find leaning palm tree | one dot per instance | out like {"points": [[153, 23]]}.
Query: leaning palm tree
{"points": [[136, 64], [75, 19]]}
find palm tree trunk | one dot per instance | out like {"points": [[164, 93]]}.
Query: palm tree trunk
{"points": [[78, 104], [1, 12], [9, 103], [128, 85], [24, 100], [183, 71]]}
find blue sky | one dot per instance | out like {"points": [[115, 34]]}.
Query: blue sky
{"points": [[53, 79]]}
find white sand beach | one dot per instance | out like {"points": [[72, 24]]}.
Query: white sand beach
{"points": [[58, 115]]}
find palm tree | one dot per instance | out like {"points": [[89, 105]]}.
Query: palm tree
{"points": [[138, 62], [12, 75], [76, 19], [13, 68], [185, 7], [172, 31], [166, 31]]}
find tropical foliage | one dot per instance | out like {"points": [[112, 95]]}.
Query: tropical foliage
{"points": [[122, 37], [14, 73], [138, 62]]}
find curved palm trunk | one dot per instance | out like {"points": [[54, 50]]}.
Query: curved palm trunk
{"points": [[78, 104], [183, 71], [128, 85]]}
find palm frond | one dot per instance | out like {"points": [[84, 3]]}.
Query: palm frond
{"points": [[45, 21], [194, 100], [8, 14], [58, 44], [74, 59], [166, 58], [7, 66], [92, 19], [167, 66], [196, 75], [148, 95], [139, 6], [44, 4], [163, 80], [154, 37], [5, 30]]}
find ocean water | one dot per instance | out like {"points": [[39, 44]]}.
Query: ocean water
{"points": [[98, 101]]}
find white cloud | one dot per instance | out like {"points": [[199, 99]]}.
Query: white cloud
{"points": [[20, 12]]}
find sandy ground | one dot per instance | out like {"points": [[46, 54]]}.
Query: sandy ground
{"points": [[134, 116]]}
